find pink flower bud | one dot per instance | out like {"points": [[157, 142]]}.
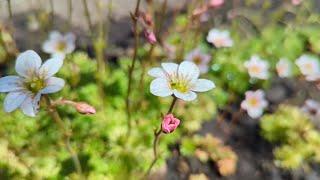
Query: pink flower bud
{"points": [[84, 108], [169, 123], [215, 3], [150, 36], [296, 2]]}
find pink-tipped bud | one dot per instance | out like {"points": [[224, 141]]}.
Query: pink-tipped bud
{"points": [[150, 36], [169, 123], [296, 2], [216, 3], [84, 108]]}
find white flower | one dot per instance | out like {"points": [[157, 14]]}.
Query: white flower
{"points": [[219, 38], [200, 59], [254, 103], [284, 68], [311, 107], [309, 67], [59, 45], [257, 68], [178, 80], [34, 79]]}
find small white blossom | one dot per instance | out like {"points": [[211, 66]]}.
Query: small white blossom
{"points": [[311, 107], [309, 67], [182, 81], [200, 59], [257, 67], [59, 45], [284, 68], [254, 103], [34, 79], [219, 38]]}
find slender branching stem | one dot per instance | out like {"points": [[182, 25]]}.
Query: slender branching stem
{"points": [[132, 66], [157, 135], [9, 9], [70, 10], [87, 14], [52, 12], [66, 133]]}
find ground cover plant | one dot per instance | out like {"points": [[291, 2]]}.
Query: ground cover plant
{"points": [[207, 89]]}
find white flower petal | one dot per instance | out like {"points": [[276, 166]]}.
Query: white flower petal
{"points": [[51, 67], [55, 35], [255, 112], [202, 85], [14, 100], [189, 96], [10, 83], [28, 106], [157, 73], [54, 84], [28, 63], [70, 37], [188, 70], [49, 47], [170, 68], [160, 87]]}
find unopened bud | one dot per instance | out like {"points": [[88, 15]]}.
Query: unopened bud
{"points": [[150, 36], [84, 108]]}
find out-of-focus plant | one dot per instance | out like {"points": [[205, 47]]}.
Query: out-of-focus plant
{"points": [[297, 138], [210, 148]]}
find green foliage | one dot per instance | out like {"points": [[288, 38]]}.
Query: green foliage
{"points": [[297, 138]]}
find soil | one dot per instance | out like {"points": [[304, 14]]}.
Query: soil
{"points": [[255, 157]]}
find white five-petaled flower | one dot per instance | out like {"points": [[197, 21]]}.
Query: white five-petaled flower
{"points": [[59, 45], [34, 79], [182, 81], [257, 67], [219, 38], [200, 59], [309, 66], [254, 103], [284, 68], [311, 107]]}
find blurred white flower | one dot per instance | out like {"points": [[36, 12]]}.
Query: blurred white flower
{"points": [[59, 45], [200, 59], [257, 67], [34, 79], [219, 38], [178, 80], [284, 68], [311, 107], [309, 67], [254, 103]]}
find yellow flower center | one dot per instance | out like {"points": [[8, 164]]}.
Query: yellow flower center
{"points": [[181, 86], [197, 59], [35, 84], [255, 69], [61, 46], [254, 102]]}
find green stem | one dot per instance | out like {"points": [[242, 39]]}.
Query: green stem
{"points": [[52, 12], [87, 14], [157, 135], [131, 68], [9, 8], [70, 10], [66, 133]]}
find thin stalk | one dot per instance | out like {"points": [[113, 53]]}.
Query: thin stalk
{"points": [[9, 8], [157, 135], [52, 12], [70, 10], [87, 14], [131, 68], [66, 133]]}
